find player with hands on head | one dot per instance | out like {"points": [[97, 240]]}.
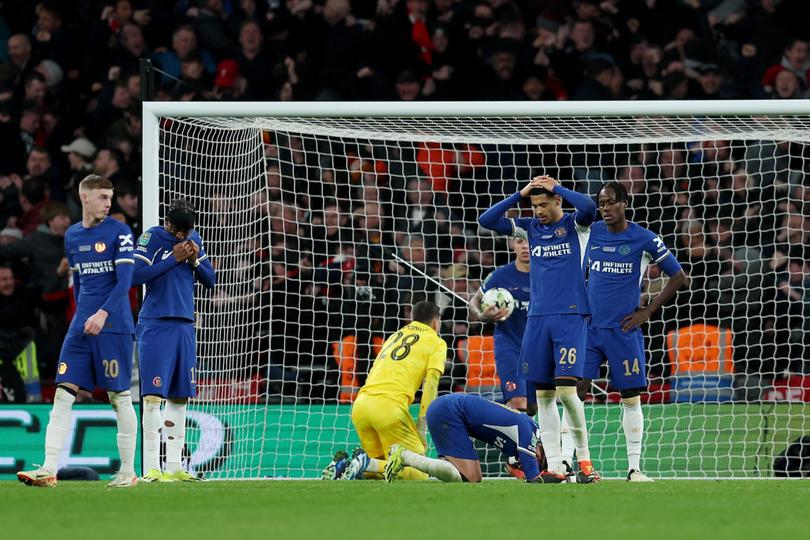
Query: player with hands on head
{"points": [[554, 340]]}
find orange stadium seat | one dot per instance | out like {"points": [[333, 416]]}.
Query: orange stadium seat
{"points": [[478, 352], [701, 356], [344, 354]]}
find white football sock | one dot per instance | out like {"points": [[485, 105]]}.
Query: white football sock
{"points": [[549, 417], [633, 423], [375, 465], [576, 420], [174, 423], [127, 428], [152, 422], [567, 440], [56, 432], [437, 468]]}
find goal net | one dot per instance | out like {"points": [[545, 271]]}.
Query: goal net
{"points": [[325, 229]]}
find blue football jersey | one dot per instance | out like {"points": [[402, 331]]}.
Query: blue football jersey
{"points": [[169, 284], [94, 254], [509, 333], [557, 274], [512, 432], [616, 265]]}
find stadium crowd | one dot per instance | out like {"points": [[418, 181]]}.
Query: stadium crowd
{"points": [[737, 214]]}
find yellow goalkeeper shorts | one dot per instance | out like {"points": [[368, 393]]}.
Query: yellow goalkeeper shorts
{"points": [[381, 422]]}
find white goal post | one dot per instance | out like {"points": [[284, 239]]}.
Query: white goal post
{"points": [[311, 211]]}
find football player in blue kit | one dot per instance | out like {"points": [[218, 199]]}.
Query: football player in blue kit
{"points": [[97, 350], [554, 342], [169, 260], [452, 420], [514, 277], [619, 252]]}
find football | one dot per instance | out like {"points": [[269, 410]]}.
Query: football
{"points": [[500, 298]]}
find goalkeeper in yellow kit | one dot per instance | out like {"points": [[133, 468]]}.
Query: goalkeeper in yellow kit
{"points": [[413, 356]]}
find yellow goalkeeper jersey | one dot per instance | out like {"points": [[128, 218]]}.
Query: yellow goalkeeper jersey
{"points": [[403, 361]]}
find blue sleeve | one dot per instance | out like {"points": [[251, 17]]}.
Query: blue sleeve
{"points": [[123, 281], [494, 219], [670, 265], [76, 287], [660, 255], [125, 247], [586, 208], [526, 452], [146, 271], [205, 273], [144, 255], [73, 268], [488, 283]]}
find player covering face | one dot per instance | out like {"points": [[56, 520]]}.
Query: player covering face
{"points": [[169, 260]]}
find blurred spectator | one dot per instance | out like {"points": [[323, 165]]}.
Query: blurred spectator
{"points": [[108, 164], [796, 60], [33, 199], [18, 323], [43, 249], [264, 73], [19, 62], [184, 42], [600, 83], [125, 207], [52, 39]]}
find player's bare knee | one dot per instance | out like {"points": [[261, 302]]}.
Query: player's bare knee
{"points": [[518, 403], [531, 409], [179, 401]]}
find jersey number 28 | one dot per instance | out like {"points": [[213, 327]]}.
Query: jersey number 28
{"points": [[403, 349]]}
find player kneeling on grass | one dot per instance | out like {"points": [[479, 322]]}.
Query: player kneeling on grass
{"points": [[169, 260], [413, 356], [452, 420]]}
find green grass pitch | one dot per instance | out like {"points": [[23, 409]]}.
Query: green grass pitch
{"points": [[294, 510]]}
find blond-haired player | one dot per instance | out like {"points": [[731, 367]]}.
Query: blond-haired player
{"points": [[413, 356]]}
